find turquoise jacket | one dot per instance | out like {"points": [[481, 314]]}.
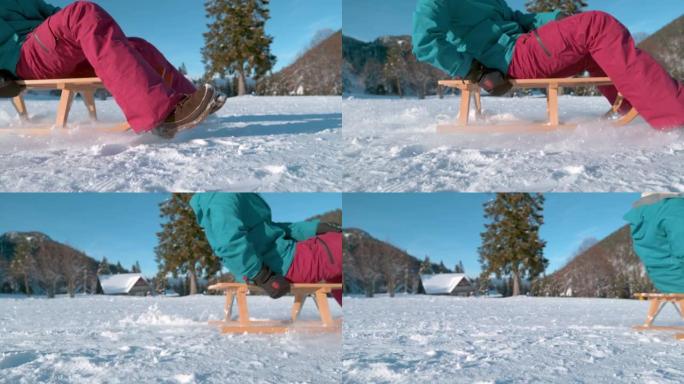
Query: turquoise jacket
{"points": [[658, 234], [17, 19], [449, 34], [241, 233]]}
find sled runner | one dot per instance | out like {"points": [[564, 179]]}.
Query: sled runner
{"points": [[243, 323], [86, 87], [657, 302], [470, 90]]}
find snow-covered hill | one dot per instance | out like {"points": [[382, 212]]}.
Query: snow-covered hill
{"points": [[252, 144], [390, 145], [424, 339], [100, 339]]}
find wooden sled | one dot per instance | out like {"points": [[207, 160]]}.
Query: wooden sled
{"points": [[657, 302], [470, 90], [243, 323], [86, 87]]}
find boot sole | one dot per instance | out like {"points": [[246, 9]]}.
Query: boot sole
{"points": [[200, 116]]}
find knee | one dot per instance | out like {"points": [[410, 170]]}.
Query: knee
{"points": [[140, 42], [600, 18], [87, 8]]}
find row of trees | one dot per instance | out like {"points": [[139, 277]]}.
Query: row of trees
{"points": [[35, 263]]}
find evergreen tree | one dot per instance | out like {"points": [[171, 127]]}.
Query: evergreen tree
{"points": [[183, 69], [183, 247], [120, 268], [136, 268], [395, 68], [103, 268], [426, 267], [569, 7], [511, 245], [22, 265], [236, 42], [459, 267]]}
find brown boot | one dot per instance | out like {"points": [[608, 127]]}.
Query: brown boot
{"points": [[188, 113], [219, 102]]}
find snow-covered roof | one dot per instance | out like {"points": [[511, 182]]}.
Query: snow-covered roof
{"points": [[118, 284], [441, 283]]}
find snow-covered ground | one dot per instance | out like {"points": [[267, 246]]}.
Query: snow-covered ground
{"points": [[252, 144], [156, 340], [427, 339], [390, 145]]}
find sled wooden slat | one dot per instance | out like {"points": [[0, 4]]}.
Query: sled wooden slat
{"points": [[472, 90], [657, 301], [86, 87], [238, 292]]}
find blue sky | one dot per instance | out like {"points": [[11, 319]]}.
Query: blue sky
{"points": [[176, 26], [368, 19], [447, 226], [123, 227]]}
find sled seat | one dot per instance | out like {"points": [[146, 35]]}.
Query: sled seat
{"points": [[86, 87], [657, 301], [470, 90], [243, 323]]}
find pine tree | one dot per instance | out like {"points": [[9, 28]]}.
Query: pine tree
{"points": [[183, 247], [22, 265], [395, 68], [183, 69], [103, 268], [426, 267], [459, 267], [569, 7], [135, 268], [236, 42], [511, 245]]}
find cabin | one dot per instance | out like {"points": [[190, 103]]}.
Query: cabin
{"points": [[453, 284], [131, 284]]}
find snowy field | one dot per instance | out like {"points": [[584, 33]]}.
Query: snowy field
{"points": [[390, 145], [156, 340], [423, 339], [252, 144]]}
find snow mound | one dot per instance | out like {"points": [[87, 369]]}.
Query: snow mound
{"points": [[154, 316]]}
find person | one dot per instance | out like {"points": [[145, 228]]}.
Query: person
{"points": [[272, 255], [487, 42], [41, 41], [657, 228]]}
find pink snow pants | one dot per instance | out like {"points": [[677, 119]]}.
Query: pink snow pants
{"points": [[83, 40], [595, 41], [318, 259]]}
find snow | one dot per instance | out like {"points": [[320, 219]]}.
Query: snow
{"points": [[441, 283], [445, 339], [253, 144], [119, 283], [390, 145], [121, 339]]}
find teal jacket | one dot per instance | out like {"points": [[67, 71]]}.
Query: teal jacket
{"points": [[658, 234], [449, 34], [17, 19], [241, 233]]}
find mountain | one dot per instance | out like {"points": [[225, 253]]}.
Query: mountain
{"points": [[386, 66], [609, 268], [372, 266], [55, 267], [667, 46], [316, 72], [334, 217]]}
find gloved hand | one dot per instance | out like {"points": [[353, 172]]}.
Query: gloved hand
{"points": [[327, 227], [491, 80], [276, 286]]}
